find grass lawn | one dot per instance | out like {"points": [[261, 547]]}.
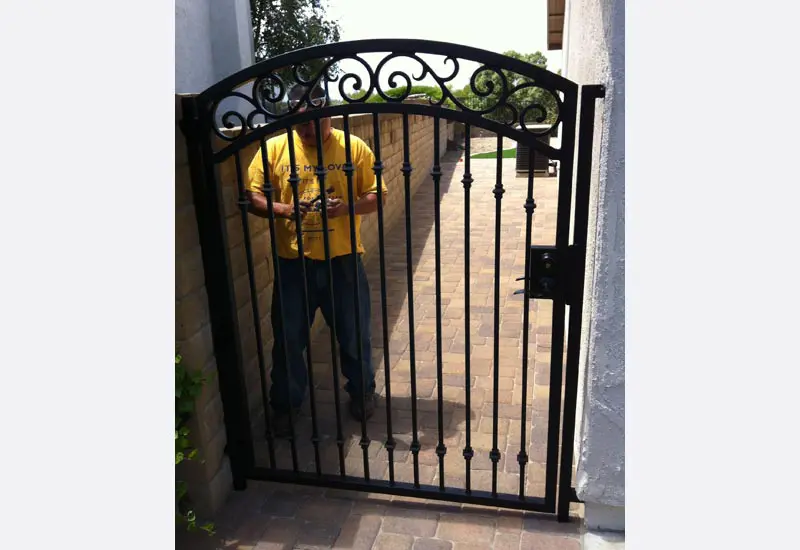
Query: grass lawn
{"points": [[507, 154]]}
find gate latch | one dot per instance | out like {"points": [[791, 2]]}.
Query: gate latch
{"points": [[546, 274]]}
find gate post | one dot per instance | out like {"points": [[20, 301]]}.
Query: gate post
{"points": [[207, 195]]}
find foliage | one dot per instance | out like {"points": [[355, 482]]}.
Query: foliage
{"points": [[281, 26], [519, 100], [430, 91], [188, 386], [485, 80], [433, 92]]}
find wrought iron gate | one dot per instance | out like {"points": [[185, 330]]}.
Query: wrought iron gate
{"points": [[247, 107]]}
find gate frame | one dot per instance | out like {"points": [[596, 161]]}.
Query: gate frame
{"points": [[199, 128]]}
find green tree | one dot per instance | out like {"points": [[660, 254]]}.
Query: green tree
{"points": [[281, 26], [521, 99]]}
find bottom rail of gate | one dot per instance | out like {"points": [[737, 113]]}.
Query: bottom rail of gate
{"points": [[404, 489]]}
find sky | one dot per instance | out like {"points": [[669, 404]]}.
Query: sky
{"points": [[496, 30]]}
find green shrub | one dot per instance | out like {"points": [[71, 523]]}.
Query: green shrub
{"points": [[433, 92], [188, 386]]}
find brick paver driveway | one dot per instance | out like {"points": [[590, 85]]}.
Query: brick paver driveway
{"points": [[360, 520]]}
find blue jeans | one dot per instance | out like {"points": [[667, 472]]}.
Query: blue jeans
{"points": [[295, 324]]}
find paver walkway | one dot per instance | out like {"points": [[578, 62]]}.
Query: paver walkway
{"points": [[269, 516], [359, 521]]}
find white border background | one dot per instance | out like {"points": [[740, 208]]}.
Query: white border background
{"points": [[86, 294]]}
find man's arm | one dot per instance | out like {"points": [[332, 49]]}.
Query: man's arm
{"points": [[258, 202], [260, 207], [367, 203]]}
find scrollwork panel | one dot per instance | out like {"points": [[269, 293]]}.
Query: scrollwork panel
{"points": [[491, 91]]}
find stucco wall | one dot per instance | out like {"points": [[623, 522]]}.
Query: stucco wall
{"points": [[594, 53], [213, 39]]}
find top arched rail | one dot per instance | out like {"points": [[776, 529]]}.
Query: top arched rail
{"points": [[510, 101]]}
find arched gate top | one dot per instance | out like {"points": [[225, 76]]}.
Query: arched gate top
{"points": [[246, 103]]}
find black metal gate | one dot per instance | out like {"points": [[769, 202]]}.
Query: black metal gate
{"points": [[256, 109]]}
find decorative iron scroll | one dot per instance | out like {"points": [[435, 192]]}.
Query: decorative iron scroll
{"points": [[510, 102]]}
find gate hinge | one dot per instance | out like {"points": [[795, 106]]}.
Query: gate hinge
{"points": [[554, 274]]}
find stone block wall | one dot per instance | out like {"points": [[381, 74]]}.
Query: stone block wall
{"points": [[208, 477]]}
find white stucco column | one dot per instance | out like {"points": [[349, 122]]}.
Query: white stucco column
{"points": [[594, 52], [213, 39]]}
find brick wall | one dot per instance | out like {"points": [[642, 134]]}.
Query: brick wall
{"points": [[209, 483]]}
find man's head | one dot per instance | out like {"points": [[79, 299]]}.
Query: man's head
{"points": [[316, 100]]}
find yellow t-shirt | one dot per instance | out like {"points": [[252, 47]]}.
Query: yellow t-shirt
{"points": [[333, 154]]}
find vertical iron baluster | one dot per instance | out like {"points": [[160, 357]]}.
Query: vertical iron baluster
{"points": [[244, 204], [494, 455], [589, 95], [294, 181], [530, 205], [406, 169], [436, 173], [554, 401], [321, 172], [378, 169], [563, 209], [467, 181], [348, 169], [557, 345], [268, 190]]}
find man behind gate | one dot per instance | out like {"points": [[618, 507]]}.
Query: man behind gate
{"points": [[289, 367]]}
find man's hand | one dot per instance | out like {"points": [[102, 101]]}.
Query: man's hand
{"points": [[337, 208], [285, 210]]}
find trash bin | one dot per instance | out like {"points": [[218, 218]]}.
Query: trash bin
{"points": [[541, 162]]}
